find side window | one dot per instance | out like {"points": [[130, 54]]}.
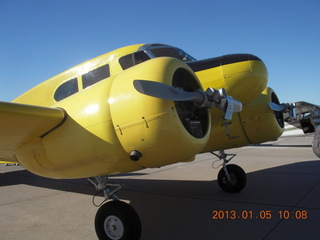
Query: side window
{"points": [[95, 76], [66, 89], [133, 59]]}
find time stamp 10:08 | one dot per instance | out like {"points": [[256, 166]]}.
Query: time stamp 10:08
{"points": [[263, 214]]}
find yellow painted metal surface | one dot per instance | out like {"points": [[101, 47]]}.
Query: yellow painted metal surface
{"points": [[154, 127], [104, 123], [256, 123], [42, 94], [242, 80], [259, 121], [219, 140], [109, 120], [7, 162], [20, 124]]}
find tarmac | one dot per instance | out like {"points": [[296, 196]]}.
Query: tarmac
{"points": [[182, 201]]}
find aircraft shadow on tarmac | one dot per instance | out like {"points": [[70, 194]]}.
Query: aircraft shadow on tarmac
{"points": [[284, 145], [182, 209]]}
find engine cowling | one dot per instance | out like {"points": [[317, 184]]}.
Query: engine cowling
{"points": [[152, 131], [259, 121], [256, 123]]}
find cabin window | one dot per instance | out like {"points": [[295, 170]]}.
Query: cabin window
{"points": [[66, 89], [133, 59], [95, 76]]}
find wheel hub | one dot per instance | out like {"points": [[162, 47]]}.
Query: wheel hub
{"points": [[113, 227], [232, 182]]}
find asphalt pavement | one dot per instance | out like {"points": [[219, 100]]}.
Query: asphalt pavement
{"points": [[179, 201]]}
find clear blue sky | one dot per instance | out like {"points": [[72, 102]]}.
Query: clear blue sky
{"points": [[40, 39]]}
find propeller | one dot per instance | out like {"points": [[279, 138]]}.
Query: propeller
{"points": [[277, 107], [284, 107], [233, 105], [208, 99], [164, 91]]}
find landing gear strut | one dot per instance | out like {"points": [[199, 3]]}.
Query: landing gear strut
{"points": [[231, 178], [115, 220]]}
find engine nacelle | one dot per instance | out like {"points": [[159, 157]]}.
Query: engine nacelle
{"points": [[256, 123], [259, 121], [153, 131], [243, 76]]}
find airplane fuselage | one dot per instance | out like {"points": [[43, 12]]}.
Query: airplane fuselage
{"points": [[112, 128]]}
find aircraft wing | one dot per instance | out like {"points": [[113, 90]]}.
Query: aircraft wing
{"points": [[8, 162], [304, 107], [20, 124]]}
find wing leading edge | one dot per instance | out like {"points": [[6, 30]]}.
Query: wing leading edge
{"points": [[20, 124]]}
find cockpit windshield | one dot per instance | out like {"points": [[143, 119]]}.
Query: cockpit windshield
{"points": [[166, 51], [149, 51]]}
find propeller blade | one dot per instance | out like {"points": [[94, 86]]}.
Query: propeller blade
{"points": [[232, 107], [277, 107], [164, 91], [209, 99], [289, 108]]}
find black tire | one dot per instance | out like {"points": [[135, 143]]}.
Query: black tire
{"points": [[117, 220], [238, 179], [316, 143]]}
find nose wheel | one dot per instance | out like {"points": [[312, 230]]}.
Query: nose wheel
{"points": [[231, 177]]}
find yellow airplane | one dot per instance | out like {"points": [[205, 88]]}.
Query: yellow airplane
{"points": [[141, 106]]}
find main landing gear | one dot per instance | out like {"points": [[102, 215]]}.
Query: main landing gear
{"points": [[115, 220], [231, 177]]}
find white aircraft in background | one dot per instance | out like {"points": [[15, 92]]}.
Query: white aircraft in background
{"points": [[303, 118]]}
